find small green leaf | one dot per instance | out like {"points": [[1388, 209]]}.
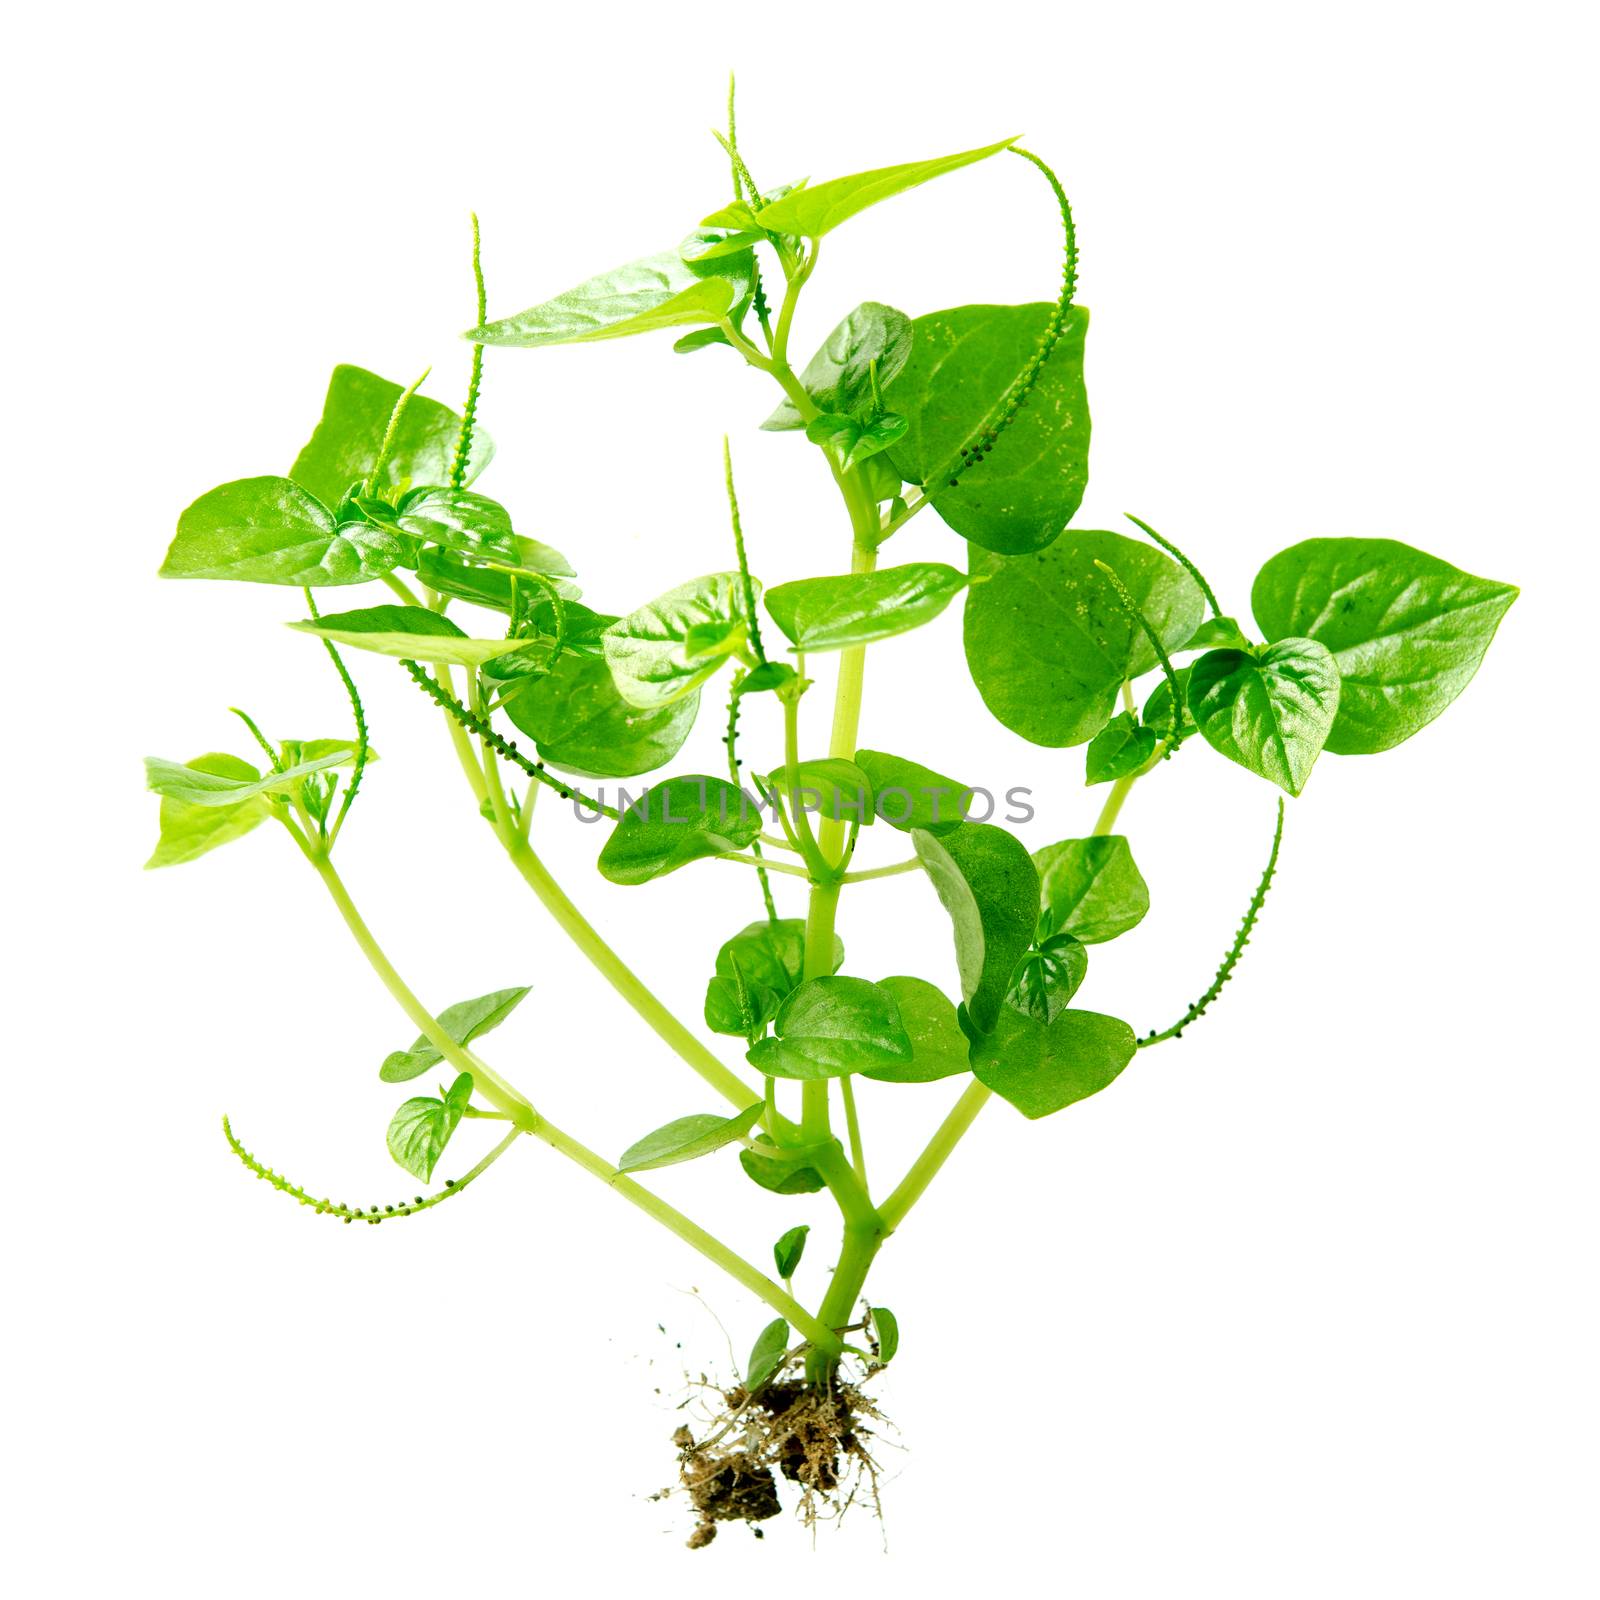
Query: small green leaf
{"points": [[1157, 713], [269, 530], [197, 786], [463, 1022], [411, 633], [1268, 709], [1048, 976], [771, 955], [987, 884], [786, 1253], [1120, 749], [739, 1009], [839, 376], [189, 831], [1091, 888], [830, 1027], [459, 520], [909, 796], [355, 415], [819, 208], [1042, 1067], [582, 725], [1049, 643], [887, 1329], [421, 1128], [770, 675], [938, 1046], [687, 1139], [700, 339], [666, 649], [767, 1354], [1019, 497], [660, 291], [1217, 633], [708, 244], [849, 442], [677, 821], [833, 613], [1407, 630], [778, 1171], [452, 573], [829, 787]]}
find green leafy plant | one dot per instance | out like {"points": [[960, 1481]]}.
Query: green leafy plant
{"points": [[977, 413]]}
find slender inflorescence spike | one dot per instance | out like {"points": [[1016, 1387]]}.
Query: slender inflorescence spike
{"points": [[260, 738], [741, 171], [732, 741], [503, 747], [393, 428], [469, 412], [1004, 411], [363, 746], [1182, 560], [1231, 960], [1131, 606], [376, 1214], [752, 621]]}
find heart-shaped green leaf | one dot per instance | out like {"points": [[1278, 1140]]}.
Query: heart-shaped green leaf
{"points": [[677, 821], [829, 1027], [687, 1139], [818, 614], [462, 1022], [1042, 1067]]}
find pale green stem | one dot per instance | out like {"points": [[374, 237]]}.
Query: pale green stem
{"points": [[858, 1158], [881, 872], [926, 1166], [399, 585]]}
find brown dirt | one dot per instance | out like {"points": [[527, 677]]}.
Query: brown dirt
{"points": [[813, 1438]]}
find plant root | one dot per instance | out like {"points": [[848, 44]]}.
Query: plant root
{"points": [[813, 1438]]}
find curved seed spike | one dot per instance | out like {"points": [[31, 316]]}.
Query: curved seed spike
{"points": [[259, 737], [1182, 560], [1001, 415], [363, 746], [469, 412], [392, 429], [351, 1213], [1131, 606], [1231, 960], [501, 746]]}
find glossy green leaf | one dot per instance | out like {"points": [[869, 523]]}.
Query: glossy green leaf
{"points": [[700, 339], [1048, 642], [786, 1253], [666, 649], [839, 376], [1041, 1067], [772, 955], [1091, 888], [766, 1355], [1048, 976], [344, 448], [659, 291], [819, 208], [1020, 496], [987, 884], [269, 530], [738, 1008], [887, 1330], [208, 786], [457, 575], [460, 520], [189, 831], [582, 725], [777, 1171], [938, 1046], [770, 675], [851, 443], [1120, 749], [829, 1027], [1268, 709], [421, 1128], [1217, 633], [410, 633], [908, 796], [709, 244], [463, 1022], [829, 787], [1157, 713], [1407, 630], [687, 1139], [678, 821], [832, 613]]}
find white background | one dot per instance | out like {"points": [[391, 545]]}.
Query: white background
{"points": [[1302, 1306]]}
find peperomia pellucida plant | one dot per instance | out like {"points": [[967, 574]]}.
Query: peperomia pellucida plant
{"points": [[1109, 640]]}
